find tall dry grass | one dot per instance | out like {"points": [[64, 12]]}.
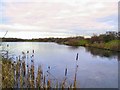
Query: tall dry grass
{"points": [[21, 74]]}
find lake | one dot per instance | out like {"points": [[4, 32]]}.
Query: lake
{"points": [[97, 68]]}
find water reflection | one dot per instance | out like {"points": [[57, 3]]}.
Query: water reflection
{"points": [[102, 53], [73, 47], [118, 56]]}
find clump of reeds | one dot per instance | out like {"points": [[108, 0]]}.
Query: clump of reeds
{"points": [[7, 74], [39, 77], [18, 74]]}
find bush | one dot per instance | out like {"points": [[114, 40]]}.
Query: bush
{"points": [[83, 42]]}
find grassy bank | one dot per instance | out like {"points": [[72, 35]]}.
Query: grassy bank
{"points": [[111, 45], [74, 42]]}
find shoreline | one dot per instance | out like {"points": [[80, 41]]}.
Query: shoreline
{"points": [[71, 45]]}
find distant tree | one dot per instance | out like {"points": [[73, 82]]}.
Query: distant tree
{"points": [[94, 39]]}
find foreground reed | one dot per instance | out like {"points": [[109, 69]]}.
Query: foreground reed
{"points": [[21, 74]]}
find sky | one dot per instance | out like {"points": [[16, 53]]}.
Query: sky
{"points": [[57, 18]]}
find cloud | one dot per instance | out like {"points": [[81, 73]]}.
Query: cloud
{"points": [[61, 1], [59, 16], [30, 35], [18, 27]]}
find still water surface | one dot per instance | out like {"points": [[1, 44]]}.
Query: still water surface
{"points": [[97, 68]]}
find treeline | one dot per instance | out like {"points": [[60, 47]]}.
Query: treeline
{"points": [[12, 39], [58, 40], [108, 36], [109, 41]]}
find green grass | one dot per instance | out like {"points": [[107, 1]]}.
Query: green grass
{"points": [[111, 45], [74, 42], [83, 42]]}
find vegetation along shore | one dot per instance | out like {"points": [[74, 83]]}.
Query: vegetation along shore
{"points": [[108, 41]]}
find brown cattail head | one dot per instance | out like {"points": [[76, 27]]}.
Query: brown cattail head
{"points": [[27, 51], [77, 66], [33, 51], [23, 52], [48, 67], [14, 62], [7, 45], [77, 57], [66, 72]]}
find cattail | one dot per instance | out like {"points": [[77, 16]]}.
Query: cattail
{"points": [[32, 76], [7, 55], [33, 51], [77, 66], [23, 52], [28, 78], [31, 60], [7, 45], [75, 81], [38, 78], [63, 84], [14, 62], [48, 84], [48, 67], [77, 57], [44, 82], [57, 84], [70, 86], [23, 68], [27, 51], [66, 72]]}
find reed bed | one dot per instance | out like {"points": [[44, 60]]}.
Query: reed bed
{"points": [[21, 74]]}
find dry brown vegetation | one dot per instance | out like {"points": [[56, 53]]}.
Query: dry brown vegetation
{"points": [[21, 75]]}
